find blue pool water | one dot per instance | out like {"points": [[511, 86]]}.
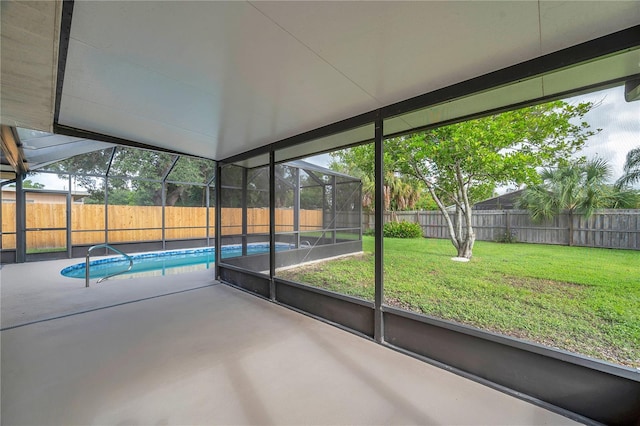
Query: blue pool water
{"points": [[166, 262]]}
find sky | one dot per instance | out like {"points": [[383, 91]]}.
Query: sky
{"points": [[620, 124]]}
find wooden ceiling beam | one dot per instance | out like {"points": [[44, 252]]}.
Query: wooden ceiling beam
{"points": [[12, 149]]}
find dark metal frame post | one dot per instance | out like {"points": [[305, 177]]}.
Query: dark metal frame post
{"points": [[334, 206], [69, 242], [244, 198], [296, 205], [218, 205], [163, 196], [272, 224], [324, 209], [106, 197], [2, 231], [379, 219], [207, 198], [360, 210], [106, 209], [206, 217], [21, 221]]}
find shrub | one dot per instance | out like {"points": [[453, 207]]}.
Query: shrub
{"points": [[507, 237], [402, 229]]}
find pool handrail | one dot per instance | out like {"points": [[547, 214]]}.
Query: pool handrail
{"points": [[107, 246]]}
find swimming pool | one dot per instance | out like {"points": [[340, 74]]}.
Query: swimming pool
{"points": [[165, 262]]}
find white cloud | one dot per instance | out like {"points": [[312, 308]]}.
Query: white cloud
{"points": [[620, 124]]}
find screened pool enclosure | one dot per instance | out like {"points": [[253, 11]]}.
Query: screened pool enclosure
{"points": [[143, 200], [317, 213]]}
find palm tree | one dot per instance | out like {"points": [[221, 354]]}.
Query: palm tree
{"points": [[401, 192], [577, 187], [624, 198], [631, 169]]}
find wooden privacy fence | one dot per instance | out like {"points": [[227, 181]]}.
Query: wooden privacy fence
{"points": [[610, 228], [258, 220], [606, 228], [139, 223]]}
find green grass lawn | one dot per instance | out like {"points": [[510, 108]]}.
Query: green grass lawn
{"points": [[45, 250], [583, 300]]}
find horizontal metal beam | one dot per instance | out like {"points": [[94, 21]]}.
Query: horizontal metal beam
{"points": [[63, 50], [60, 129], [353, 314], [328, 130], [252, 282]]}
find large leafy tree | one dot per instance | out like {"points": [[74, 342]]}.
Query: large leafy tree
{"points": [[28, 184], [134, 176], [462, 163]]}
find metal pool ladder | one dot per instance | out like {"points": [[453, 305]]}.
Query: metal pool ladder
{"points": [[107, 246]]}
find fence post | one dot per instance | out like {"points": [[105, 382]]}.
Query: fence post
{"points": [[507, 221]]}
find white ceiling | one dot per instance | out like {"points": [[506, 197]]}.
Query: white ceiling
{"points": [[219, 78]]}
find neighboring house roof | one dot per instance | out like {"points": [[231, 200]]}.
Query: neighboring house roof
{"points": [[501, 202], [43, 195], [74, 192]]}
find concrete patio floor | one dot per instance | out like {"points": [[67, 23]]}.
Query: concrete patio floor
{"points": [[193, 351]]}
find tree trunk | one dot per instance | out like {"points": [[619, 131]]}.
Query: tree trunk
{"points": [[173, 195], [470, 237], [462, 237], [445, 214], [570, 228], [466, 248], [458, 235]]}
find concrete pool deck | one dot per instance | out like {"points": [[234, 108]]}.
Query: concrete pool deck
{"points": [[206, 353], [37, 291]]}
